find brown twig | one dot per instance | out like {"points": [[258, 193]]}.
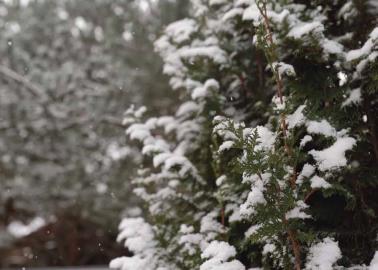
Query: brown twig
{"points": [[260, 70], [243, 85], [293, 179], [309, 195], [291, 233], [277, 77], [222, 216]]}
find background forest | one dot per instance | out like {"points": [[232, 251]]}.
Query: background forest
{"points": [[68, 71]]}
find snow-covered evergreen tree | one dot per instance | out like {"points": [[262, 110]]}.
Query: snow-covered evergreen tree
{"points": [[270, 159]]}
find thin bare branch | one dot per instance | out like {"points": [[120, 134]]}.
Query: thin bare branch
{"points": [[35, 90]]}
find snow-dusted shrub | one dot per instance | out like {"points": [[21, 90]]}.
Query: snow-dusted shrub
{"points": [[269, 160]]}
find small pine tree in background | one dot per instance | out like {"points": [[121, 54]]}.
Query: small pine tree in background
{"points": [[270, 160]]}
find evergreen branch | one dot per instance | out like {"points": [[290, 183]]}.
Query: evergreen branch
{"points": [[271, 56], [372, 126]]}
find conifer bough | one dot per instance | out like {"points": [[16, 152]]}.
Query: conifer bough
{"points": [[268, 163]]}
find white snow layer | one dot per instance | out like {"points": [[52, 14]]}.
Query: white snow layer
{"points": [[232, 13], [187, 108], [255, 197], [215, 53], [332, 47], [226, 146], [323, 127], [365, 49], [297, 118], [252, 230], [137, 233], [305, 28], [306, 172], [283, 69], [305, 140], [343, 78], [319, 182], [374, 262], [266, 138], [297, 211], [354, 98], [217, 2], [218, 254], [323, 255], [202, 91], [18, 229], [333, 157], [181, 31], [139, 238]]}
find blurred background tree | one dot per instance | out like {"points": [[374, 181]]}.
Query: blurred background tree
{"points": [[68, 69]]}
